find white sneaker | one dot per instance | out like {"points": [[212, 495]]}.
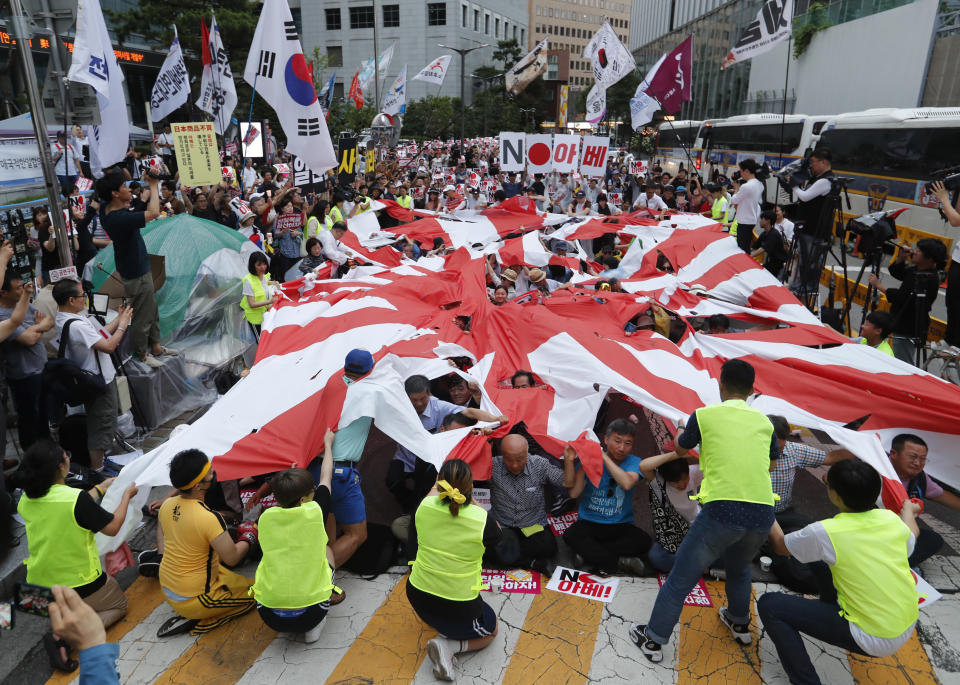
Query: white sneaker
{"points": [[152, 361], [440, 651], [168, 352], [313, 634]]}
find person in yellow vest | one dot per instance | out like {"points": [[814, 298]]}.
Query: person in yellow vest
{"points": [[317, 219], [737, 449], [336, 209], [721, 210], [256, 298], [195, 544], [60, 522], [875, 331], [403, 198], [294, 583], [871, 608], [444, 584]]}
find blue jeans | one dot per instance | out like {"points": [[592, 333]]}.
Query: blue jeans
{"points": [[786, 616], [708, 539]]}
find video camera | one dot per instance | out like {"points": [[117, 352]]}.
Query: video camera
{"points": [[794, 174], [873, 231], [950, 177]]}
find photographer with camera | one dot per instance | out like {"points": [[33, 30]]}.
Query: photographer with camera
{"points": [[952, 215], [748, 193], [910, 303], [813, 221]]}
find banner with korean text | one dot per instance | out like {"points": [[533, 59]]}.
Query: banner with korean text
{"points": [[197, 153]]}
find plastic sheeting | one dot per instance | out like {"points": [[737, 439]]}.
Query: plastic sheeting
{"points": [[164, 393]]}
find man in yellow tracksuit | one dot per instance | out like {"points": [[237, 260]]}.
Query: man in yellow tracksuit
{"points": [[871, 609]]}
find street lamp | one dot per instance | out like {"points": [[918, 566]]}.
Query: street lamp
{"points": [[463, 68]]}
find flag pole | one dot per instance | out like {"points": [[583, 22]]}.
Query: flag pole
{"points": [[253, 94], [783, 117], [216, 76]]}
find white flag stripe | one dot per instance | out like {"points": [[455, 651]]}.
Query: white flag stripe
{"points": [[172, 87], [396, 98], [773, 24], [435, 72]]}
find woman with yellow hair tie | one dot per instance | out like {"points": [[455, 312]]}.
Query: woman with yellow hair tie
{"points": [[444, 585]]}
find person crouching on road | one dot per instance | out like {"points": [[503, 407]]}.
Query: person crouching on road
{"points": [[204, 594], [294, 584], [444, 585]]}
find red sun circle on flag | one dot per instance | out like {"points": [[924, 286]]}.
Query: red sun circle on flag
{"points": [[539, 154]]}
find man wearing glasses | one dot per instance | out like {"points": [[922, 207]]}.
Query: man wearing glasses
{"points": [[908, 454]]}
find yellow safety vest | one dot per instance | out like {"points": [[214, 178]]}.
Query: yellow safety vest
{"points": [[314, 227], [718, 209], [875, 588], [333, 217], [360, 199], [254, 314], [405, 201], [735, 453], [884, 346], [450, 550], [61, 552], [294, 572]]}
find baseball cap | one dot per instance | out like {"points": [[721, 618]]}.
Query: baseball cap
{"points": [[358, 361], [255, 196], [562, 245], [580, 193], [449, 187]]}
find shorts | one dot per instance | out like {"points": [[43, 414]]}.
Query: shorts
{"points": [[294, 620], [102, 418], [447, 625], [347, 502]]}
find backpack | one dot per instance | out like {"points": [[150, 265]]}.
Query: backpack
{"points": [[67, 380], [669, 527]]}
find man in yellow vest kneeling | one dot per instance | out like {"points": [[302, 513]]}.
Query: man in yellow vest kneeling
{"points": [[872, 607]]}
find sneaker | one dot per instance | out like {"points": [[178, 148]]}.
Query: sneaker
{"points": [[313, 634], [168, 352], [152, 361], [740, 631], [177, 626], [440, 651], [561, 505], [111, 467], [632, 565], [652, 650], [718, 573], [148, 562]]}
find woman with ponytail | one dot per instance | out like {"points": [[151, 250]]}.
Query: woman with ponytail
{"points": [[60, 523], [444, 585]]}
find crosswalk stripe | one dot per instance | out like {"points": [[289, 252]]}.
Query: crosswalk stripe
{"points": [[143, 596], [391, 646], [909, 666], [222, 656], [557, 642], [706, 652]]}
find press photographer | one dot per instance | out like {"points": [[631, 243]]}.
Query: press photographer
{"points": [[949, 206], [910, 303], [813, 218]]}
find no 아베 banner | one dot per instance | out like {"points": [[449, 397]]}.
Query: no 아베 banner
{"points": [[566, 152], [593, 162], [512, 154], [539, 153], [582, 584]]}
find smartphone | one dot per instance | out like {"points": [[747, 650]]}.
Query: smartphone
{"points": [[33, 599], [6, 616]]}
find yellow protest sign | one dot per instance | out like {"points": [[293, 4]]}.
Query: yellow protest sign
{"points": [[371, 161], [562, 116], [198, 156]]}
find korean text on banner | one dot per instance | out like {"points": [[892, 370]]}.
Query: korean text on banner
{"points": [[304, 178], [593, 159], [347, 161], [19, 162], [512, 153], [773, 24], [172, 87], [582, 584], [539, 153], [436, 71], [566, 152], [197, 154]]}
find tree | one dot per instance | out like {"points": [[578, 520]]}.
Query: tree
{"points": [[508, 52]]}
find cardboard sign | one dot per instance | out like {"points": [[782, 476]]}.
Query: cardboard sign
{"points": [[514, 581], [926, 593], [569, 581], [638, 168], [198, 155], [698, 597], [304, 178], [512, 153], [84, 184], [559, 524], [69, 272], [593, 161], [285, 222], [566, 152], [539, 153]]}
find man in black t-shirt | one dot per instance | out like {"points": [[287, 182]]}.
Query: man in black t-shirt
{"points": [[133, 265]]}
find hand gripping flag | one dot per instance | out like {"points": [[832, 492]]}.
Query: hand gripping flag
{"points": [[95, 64], [671, 85], [773, 24], [278, 71], [396, 100], [172, 87], [436, 71], [218, 93]]}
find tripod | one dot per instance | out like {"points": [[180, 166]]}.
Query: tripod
{"points": [[812, 249], [873, 260]]}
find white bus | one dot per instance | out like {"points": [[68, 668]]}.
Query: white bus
{"points": [[890, 154], [669, 152]]}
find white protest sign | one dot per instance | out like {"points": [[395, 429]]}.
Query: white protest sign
{"points": [[593, 160], [566, 152], [569, 581], [539, 153], [512, 154]]}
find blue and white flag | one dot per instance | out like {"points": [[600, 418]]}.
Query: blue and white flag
{"points": [[94, 63], [367, 69], [395, 101]]}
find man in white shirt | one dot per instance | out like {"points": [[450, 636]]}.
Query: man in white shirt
{"points": [[64, 161], [650, 201], [475, 199], [333, 249], [249, 175], [591, 191], [561, 192], [784, 225], [165, 147], [90, 345], [747, 201]]}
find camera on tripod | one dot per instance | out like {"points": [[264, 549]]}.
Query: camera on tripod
{"points": [[873, 231], [794, 174], [950, 177]]}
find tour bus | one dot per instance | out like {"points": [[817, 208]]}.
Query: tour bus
{"points": [[890, 154], [669, 153]]}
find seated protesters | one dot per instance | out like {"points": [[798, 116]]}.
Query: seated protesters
{"points": [[60, 522], [195, 545], [314, 256], [718, 324], [523, 379], [872, 607], [673, 485], [294, 582], [257, 297], [875, 331], [908, 454], [517, 501], [910, 303], [409, 477], [770, 244], [90, 345], [604, 534], [444, 585]]}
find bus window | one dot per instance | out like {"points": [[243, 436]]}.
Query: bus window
{"points": [[911, 153], [672, 137], [757, 137]]}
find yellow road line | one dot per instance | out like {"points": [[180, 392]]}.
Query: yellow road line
{"points": [[909, 666], [143, 596], [222, 656], [391, 647], [557, 640], [707, 653]]}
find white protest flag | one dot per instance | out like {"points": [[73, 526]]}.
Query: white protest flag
{"points": [[278, 71], [95, 64], [395, 101], [773, 24], [643, 106], [596, 104], [436, 71], [610, 58], [367, 69], [172, 87], [527, 69], [218, 93]]}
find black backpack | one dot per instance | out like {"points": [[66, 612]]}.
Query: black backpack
{"points": [[67, 380]]}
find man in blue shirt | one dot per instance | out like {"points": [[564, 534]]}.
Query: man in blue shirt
{"points": [[604, 534]]}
